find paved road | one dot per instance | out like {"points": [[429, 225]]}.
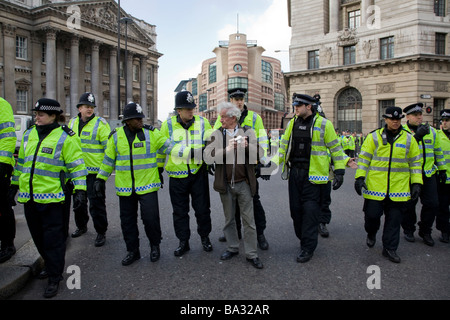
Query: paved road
{"points": [[342, 266]]}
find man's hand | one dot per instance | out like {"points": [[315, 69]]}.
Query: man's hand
{"points": [[352, 163], [13, 189], [338, 178], [80, 199], [99, 188], [415, 191], [442, 176], [422, 131], [359, 184]]}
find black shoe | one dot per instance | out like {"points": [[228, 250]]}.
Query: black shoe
{"points": [[370, 241], [183, 247], [427, 239], [391, 255], [409, 236], [256, 263], [51, 290], [227, 255], [262, 242], [6, 253], [100, 240], [323, 231], [79, 232], [155, 253], [206, 243], [131, 257], [43, 274], [222, 239], [444, 237], [304, 256]]}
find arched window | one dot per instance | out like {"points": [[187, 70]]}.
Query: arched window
{"points": [[349, 110]]}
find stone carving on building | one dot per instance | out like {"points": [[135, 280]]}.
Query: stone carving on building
{"points": [[386, 88], [441, 86], [329, 54], [367, 47], [347, 37]]}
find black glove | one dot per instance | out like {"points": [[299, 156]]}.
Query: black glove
{"points": [[100, 188], [338, 178], [442, 176], [160, 171], [415, 191], [13, 189], [422, 131], [5, 170], [80, 199], [211, 169], [359, 184]]}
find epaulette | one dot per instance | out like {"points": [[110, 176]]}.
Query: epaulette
{"points": [[69, 131], [30, 127], [374, 130], [103, 120], [112, 132], [149, 127]]}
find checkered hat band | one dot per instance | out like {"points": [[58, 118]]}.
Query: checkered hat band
{"points": [[415, 109], [48, 108], [445, 115]]}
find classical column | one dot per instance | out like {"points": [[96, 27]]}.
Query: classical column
{"points": [[334, 15], [113, 98], [143, 86], [50, 62], [154, 82], [9, 45], [36, 66], [74, 74], [95, 71], [129, 80]]}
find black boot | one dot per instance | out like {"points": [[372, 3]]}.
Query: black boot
{"points": [[155, 253], [183, 247]]}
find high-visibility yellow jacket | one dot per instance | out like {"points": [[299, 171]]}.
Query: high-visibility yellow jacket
{"points": [[44, 166], [254, 121], [136, 166], [430, 148], [323, 139], [94, 137], [351, 143], [7, 133], [389, 170], [445, 146], [344, 143], [186, 146]]}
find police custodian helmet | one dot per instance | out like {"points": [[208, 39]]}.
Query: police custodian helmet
{"points": [[184, 99], [88, 99], [132, 111]]}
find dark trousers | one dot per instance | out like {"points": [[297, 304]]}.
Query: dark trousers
{"points": [[47, 228], [429, 200], [325, 201], [7, 219], [149, 214], [393, 212], [258, 211], [305, 208], [443, 216], [195, 186], [97, 209]]}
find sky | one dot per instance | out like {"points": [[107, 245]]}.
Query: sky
{"points": [[188, 32]]}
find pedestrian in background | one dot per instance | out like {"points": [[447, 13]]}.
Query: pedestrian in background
{"points": [[390, 163], [49, 156], [93, 132]]}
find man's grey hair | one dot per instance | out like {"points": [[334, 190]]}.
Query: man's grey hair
{"points": [[231, 109]]}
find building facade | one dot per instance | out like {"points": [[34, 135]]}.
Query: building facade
{"points": [[61, 49], [363, 56], [239, 63]]}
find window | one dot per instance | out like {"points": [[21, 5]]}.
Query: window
{"points": [[87, 65], [22, 101], [106, 66], [135, 73], [354, 19], [237, 82], [267, 72], [66, 57], [349, 55], [350, 110], [313, 59], [21, 48], [386, 48], [440, 43], [194, 87], [149, 75], [106, 108], [203, 102], [384, 104], [44, 52], [279, 101], [439, 8], [212, 73]]}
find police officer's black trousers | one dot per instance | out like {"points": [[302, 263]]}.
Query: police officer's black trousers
{"points": [[47, 228], [97, 209], [430, 205], [393, 212], [443, 216], [305, 209], [7, 219], [196, 186], [149, 214], [258, 211], [325, 202]]}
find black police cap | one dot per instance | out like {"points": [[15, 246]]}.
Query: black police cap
{"points": [[237, 92], [393, 113], [184, 99], [49, 106], [299, 99], [87, 98], [413, 108], [445, 114]]}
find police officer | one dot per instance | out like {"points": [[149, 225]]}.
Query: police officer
{"points": [[7, 146], [389, 160], [131, 152], [94, 132], [188, 175], [443, 216], [49, 155], [304, 154], [254, 121], [433, 158]]}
